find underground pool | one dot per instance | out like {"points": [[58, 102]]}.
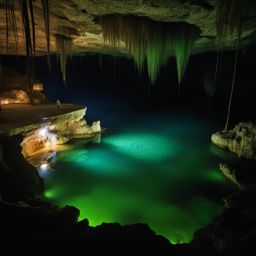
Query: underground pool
{"points": [[161, 170]]}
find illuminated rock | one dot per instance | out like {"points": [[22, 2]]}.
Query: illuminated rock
{"points": [[15, 96], [96, 127], [38, 87], [243, 174], [241, 140], [59, 130]]}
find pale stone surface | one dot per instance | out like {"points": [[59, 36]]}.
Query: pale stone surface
{"points": [[241, 140], [96, 126], [59, 130]]}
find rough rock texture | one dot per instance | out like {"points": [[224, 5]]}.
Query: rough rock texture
{"points": [[243, 174], [15, 89], [18, 178], [11, 80], [79, 20], [53, 231], [241, 140], [15, 97], [231, 233], [59, 130]]}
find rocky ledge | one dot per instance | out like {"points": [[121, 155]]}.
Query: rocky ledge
{"points": [[58, 130], [45, 125], [241, 140]]}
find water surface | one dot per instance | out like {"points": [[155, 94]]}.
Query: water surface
{"points": [[159, 169]]}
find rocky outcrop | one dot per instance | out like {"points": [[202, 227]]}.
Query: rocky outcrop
{"points": [[15, 88], [231, 233], [58, 231], [15, 97], [58, 130], [18, 179], [241, 140], [243, 174]]}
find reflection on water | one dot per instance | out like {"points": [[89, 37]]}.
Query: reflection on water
{"points": [[159, 171]]}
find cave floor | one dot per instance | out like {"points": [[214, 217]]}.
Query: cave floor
{"points": [[13, 116]]}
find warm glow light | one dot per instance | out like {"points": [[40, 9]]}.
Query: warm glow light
{"points": [[44, 166], [5, 102], [43, 132], [38, 87], [47, 144]]}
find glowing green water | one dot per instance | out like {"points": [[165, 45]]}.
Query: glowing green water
{"points": [[165, 175]]}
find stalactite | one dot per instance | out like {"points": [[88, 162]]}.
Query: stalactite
{"points": [[184, 39], [26, 8], [149, 42], [229, 21], [46, 14], [31, 10], [64, 45], [11, 20]]}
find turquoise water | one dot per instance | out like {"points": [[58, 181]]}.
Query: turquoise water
{"points": [[159, 169]]}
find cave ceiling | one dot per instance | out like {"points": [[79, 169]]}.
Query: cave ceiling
{"points": [[79, 19]]}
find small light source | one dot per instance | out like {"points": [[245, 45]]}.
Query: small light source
{"points": [[43, 132], [43, 166], [38, 87]]}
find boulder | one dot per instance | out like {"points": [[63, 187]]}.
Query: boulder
{"points": [[15, 96], [241, 140]]}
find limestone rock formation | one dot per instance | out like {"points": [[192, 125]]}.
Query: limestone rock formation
{"points": [[11, 80], [243, 174], [15, 88], [80, 21], [59, 130], [241, 140], [15, 97]]}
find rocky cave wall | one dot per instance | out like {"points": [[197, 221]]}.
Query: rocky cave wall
{"points": [[80, 21], [59, 130]]}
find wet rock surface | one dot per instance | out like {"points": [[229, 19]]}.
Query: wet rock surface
{"points": [[241, 140]]}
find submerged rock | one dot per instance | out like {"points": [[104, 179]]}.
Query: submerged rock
{"points": [[241, 140], [243, 174]]}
